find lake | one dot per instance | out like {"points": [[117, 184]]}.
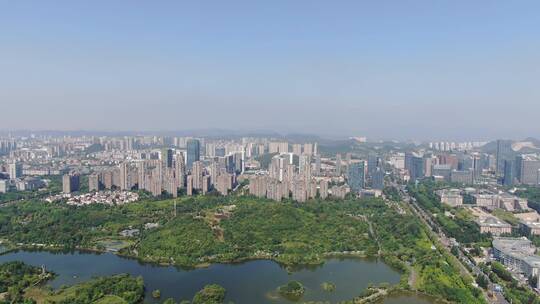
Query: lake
{"points": [[249, 282]]}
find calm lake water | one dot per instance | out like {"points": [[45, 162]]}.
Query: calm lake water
{"points": [[250, 282]]}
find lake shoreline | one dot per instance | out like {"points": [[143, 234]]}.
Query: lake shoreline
{"points": [[393, 288], [49, 248]]}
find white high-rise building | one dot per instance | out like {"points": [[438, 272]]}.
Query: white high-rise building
{"points": [[15, 170]]}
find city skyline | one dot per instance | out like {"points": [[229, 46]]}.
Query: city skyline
{"points": [[415, 70], [231, 133], [145, 191], [212, 152]]}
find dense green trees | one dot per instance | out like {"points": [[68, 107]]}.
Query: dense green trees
{"points": [[461, 227], [293, 290], [392, 193], [288, 232], [15, 277], [210, 294], [328, 286], [257, 229], [501, 271], [482, 281], [123, 286], [156, 294], [532, 194], [183, 240], [454, 250], [68, 226], [296, 233], [405, 240]]}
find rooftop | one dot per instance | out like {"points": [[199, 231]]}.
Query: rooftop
{"points": [[531, 224], [518, 248], [492, 222]]}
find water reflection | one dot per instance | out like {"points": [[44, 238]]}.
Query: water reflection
{"points": [[249, 282]]}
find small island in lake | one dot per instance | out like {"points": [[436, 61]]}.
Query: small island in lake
{"points": [[293, 290], [210, 294], [328, 286]]}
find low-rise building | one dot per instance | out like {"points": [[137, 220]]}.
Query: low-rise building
{"points": [[104, 197], [129, 232], [504, 201], [530, 228], [493, 225], [370, 193], [531, 216], [517, 254], [529, 223], [511, 202], [450, 197], [486, 200]]}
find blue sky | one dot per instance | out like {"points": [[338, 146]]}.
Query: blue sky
{"points": [[383, 69]]}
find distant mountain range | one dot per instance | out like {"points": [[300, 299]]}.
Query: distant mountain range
{"points": [[527, 145], [207, 133]]}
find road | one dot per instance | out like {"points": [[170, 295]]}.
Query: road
{"points": [[447, 243]]}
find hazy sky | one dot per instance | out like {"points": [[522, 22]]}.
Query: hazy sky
{"points": [[383, 69]]}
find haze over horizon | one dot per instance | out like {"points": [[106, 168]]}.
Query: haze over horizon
{"points": [[390, 70]]}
